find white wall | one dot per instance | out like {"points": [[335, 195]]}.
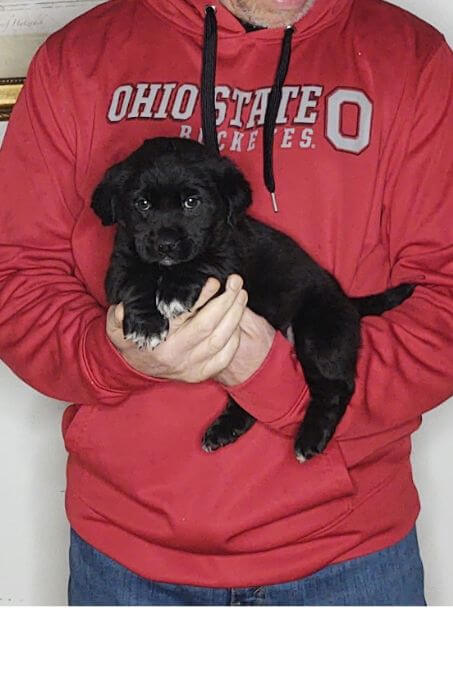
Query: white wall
{"points": [[33, 527]]}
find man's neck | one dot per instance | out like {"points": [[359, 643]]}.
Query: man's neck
{"points": [[265, 14]]}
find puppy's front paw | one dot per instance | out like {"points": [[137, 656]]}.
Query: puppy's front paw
{"points": [[171, 309], [145, 333], [174, 299], [147, 342]]}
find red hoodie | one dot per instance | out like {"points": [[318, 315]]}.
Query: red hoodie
{"points": [[362, 162]]}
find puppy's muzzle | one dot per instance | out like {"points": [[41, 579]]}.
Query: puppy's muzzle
{"points": [[168, 248]]}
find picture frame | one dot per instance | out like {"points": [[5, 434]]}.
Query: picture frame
{"points": [[10, 89], [24, 26]]}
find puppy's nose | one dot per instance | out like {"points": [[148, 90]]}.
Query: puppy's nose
{"points": [[165, 246]]}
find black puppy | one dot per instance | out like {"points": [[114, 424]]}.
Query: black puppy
{"points": [[181, 217]]}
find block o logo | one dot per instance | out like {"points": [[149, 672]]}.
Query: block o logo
{"points": [[335, 103]]}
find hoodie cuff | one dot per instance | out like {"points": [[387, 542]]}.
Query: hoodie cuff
{"points": [[276, 389], [106, 367]]}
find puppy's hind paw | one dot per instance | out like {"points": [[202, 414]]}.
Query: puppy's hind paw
{"points": [[214, 439], [210, 444], [303, 456], [308, 445]]}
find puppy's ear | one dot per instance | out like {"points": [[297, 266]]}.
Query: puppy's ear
{"points": [[234, 189], [105, 201]]}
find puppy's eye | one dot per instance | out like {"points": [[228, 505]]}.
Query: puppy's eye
{"points": [[142, 204], [191, 202]]}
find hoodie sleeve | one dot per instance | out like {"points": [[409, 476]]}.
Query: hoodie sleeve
{"points": [[405, 364], [52, 332]]}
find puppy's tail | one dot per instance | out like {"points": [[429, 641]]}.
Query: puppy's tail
{"points": [[373, 305]]}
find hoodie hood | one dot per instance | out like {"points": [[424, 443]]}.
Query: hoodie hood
{"points": [[189, 16]]}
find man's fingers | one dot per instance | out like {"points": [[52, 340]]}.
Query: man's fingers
{"points": [[210, 288], [221, 359], [119, 314], [218, 339], [212, 313], [227, 324]]}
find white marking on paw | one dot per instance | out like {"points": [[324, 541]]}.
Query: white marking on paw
{"points": [[172, 310], [301, 458], [147, 343]]}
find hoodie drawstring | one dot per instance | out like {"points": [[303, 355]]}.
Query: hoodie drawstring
{"points": [[271, 115], [208, 115]]}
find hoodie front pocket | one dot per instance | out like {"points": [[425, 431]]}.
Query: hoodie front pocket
{"points": [[319, 495], [142, 467]]}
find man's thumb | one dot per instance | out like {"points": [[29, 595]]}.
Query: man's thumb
{"points": [[117, 313]]}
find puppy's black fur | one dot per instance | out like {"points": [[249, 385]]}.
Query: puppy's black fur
{"points": [[181, 217]]}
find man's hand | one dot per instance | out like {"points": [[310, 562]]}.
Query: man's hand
{"points": [[200, 343], [256, 338]]}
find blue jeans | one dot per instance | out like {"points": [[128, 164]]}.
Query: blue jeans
{"points": [[391, 577]]}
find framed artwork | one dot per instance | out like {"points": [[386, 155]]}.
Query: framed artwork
{"points": [[24, 26]]}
